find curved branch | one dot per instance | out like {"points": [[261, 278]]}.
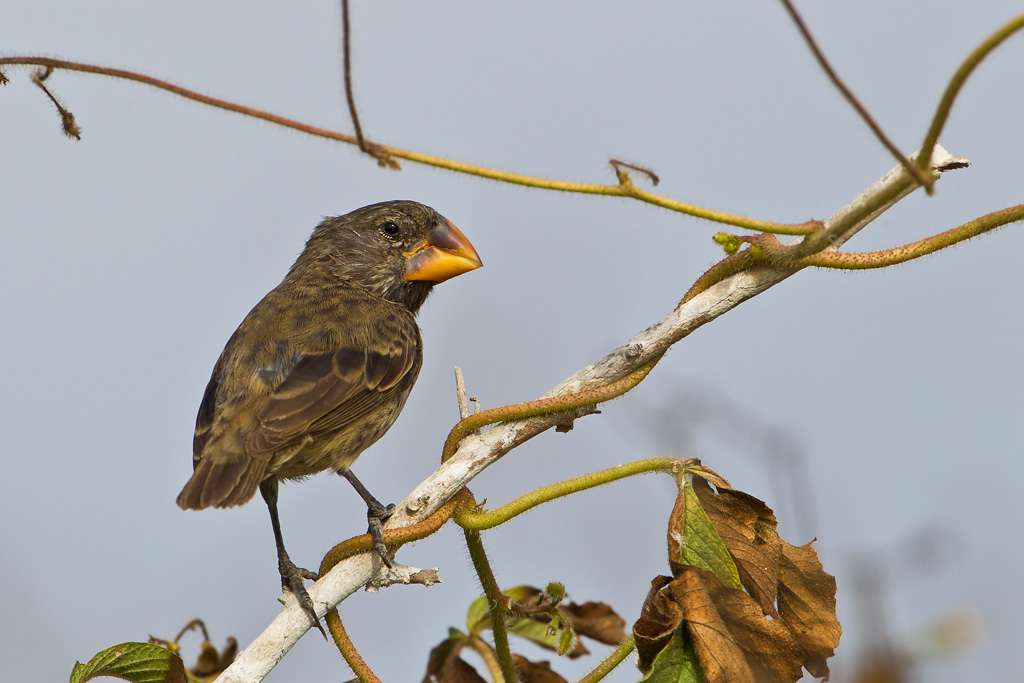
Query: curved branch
{"points": [[624, 188], [480, 520], [909, 252], [960, 77]]}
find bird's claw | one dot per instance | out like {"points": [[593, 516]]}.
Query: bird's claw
{"points": [[377, 516], [292, 581]]}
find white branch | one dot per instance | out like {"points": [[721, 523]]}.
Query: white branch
{"points": [[476, 452]]}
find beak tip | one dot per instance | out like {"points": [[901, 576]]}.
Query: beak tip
{"points": [[444, 254]]}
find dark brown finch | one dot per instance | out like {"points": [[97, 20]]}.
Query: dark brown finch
{"points": [[322, 366]]}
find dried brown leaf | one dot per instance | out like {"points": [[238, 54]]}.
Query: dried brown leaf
{"points": [[659, 618], [735, 642], [733, 638], [535, 672], [807, 605], [748, 529], [445, 666], [596, 620]]}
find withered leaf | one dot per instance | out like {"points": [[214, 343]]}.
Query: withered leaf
{"points": [[535, 672], [444, 664], [596, 620], [807, 605], [659, 618], [733, 639], [458, 670], [693, 539], [212, 663], [677, 663], [748, 528]]}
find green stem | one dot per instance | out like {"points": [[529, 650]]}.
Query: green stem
{"points": [[495, 602], [486, 652], [475, 520], [957, 82], [613, 660]]}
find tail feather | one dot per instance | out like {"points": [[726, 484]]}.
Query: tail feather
{"points": [[223, 484]]}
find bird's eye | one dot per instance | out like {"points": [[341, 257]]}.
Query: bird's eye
{"points": [[390, 229]]}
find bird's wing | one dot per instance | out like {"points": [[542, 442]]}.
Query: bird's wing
{"points": [[204, 420], [323, 392]]}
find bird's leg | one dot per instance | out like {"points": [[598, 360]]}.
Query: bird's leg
{"points": [[291, 576], [376, 515]]}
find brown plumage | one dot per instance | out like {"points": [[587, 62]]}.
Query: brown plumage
{"points": [[321, 367]]}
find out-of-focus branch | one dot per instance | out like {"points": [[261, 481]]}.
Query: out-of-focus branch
{"points": [[476, 452]]}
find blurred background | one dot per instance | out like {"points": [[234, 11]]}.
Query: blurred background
{"points": [[878, 412]]}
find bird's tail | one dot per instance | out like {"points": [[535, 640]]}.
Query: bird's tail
{"points": [[223, 484]]}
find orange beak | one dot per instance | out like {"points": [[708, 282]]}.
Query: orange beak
{"points": [[444, 254]]}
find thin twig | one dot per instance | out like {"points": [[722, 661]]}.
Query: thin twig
{"points": [[460, 392], [67, 119], [619, 165], [347, 67], [626, 190], [383, 160], [912, 169], [960, 77]]}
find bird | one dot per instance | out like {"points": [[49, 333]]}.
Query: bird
{"points": [[322, 366]]}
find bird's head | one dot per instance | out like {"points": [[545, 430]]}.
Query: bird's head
{"points": [[398, 250]]}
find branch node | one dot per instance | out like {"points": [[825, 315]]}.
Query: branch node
{"points": [[634, 351], [417, 504], [622, 166]]}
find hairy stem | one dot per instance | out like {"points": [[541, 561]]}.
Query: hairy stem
{"points": [[612, 661], [957, 82], [469, 518], [622, 189], [545, 406], [908, 252], [394, 538], [495, 603], [348, 649]]}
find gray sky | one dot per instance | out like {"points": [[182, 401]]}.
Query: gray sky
{"points": [[131, 256]]}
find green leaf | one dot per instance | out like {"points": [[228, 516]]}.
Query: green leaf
{"points": [[677, 663], [702, 546], [540, 633], [478, 616], [136, 662]]}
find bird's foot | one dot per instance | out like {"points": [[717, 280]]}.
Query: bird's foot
{"points": [[291, 580], [377, 515]]}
